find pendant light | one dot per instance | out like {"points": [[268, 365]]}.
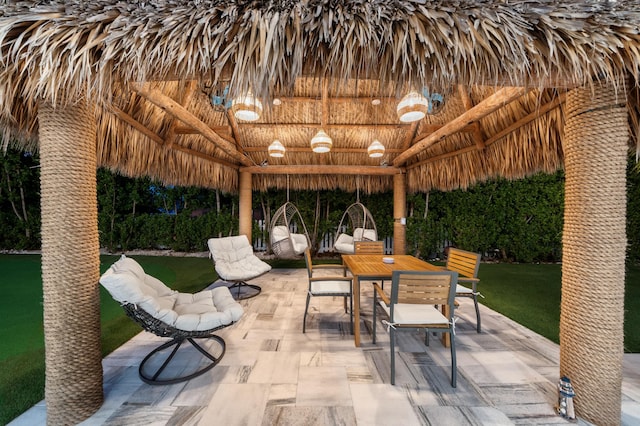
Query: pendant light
{"points": [[412, 107], [247, 107], [376, 149], [321, 142]]}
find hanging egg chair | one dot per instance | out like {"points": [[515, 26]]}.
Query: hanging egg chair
{"points": [[357, 224], [289, 236]]}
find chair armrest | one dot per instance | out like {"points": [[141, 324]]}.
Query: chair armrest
{"points": [[381, 293], [473, 281]]}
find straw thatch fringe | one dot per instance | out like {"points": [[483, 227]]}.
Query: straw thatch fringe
{"points": [[83, 48], [75, 51]]}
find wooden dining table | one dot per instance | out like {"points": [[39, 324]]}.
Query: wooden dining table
{"points": [[371, 267]]}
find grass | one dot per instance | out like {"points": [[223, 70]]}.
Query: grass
{"points": [[526, 293], [22, 337]]}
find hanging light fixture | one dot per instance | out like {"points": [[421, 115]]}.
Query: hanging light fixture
{"points": [[376, 149], [321, 142], [247, 107], [412, 107], [276, 149]]}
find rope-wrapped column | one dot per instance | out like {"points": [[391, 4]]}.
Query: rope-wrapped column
{"points": [[399, 213], [245, 219], [70, 263], [594, 242]]}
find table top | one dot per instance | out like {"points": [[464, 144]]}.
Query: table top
{"points": [[371, 265]]}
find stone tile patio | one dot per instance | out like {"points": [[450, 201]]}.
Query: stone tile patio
{"points": [[272, 374]]}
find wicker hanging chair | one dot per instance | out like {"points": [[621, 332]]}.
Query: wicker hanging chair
{"points": [[357, 224], [289, 236]]}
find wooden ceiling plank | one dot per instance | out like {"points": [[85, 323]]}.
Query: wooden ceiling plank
{"points": [[482, 109], [172, 107]]}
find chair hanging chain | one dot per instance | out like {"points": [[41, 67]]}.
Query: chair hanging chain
{"points": [[287, 188]]}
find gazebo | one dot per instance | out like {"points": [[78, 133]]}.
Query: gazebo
{"points": [[156, 88]]}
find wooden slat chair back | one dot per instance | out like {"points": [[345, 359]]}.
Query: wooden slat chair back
{"points": [[369, 247], [466, 264], [414, 302]]}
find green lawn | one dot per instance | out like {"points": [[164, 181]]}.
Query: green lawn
{"points": [[527, 293]]}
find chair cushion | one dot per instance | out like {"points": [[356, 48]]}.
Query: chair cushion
{"points": [[201, 311], [299, 243], [408, 313], [344, 244], [279, 233], [328, 287], [234, 258], [360, 234]]}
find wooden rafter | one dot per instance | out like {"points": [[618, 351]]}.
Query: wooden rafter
{"points": [[467, 102], [410, 135], [158, 140], [172, 107], [549, 106], [482, 109], [171, 134]]}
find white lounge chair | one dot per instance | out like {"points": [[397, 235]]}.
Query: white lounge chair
{"points": [[235, 262], [168, 313]]}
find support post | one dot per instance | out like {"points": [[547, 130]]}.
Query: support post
{"points": [[594, 243], [399, 214], [246, 210], [70, 262]]}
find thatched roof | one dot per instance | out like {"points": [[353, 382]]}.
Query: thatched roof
{"points": [[326, 61]]}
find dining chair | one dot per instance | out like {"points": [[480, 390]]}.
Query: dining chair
{"points": [[466, 264], [414, 304], [328, 286]]}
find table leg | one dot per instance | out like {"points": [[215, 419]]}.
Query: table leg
{"points": [[356, 310]]}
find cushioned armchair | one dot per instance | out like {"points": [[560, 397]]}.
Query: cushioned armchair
{"points": [[235, 262], [168, 313]]}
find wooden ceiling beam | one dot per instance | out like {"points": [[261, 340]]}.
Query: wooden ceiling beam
{"points": [[170, 135], [136, 125], [172, 107], [333, 150], [158, 140], [326, 126], [528, 118], [482, 109], [313, 169], [512, 128], [467, 102], [184, 130]]}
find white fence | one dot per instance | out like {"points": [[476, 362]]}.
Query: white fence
{"points": [[325, 246]]}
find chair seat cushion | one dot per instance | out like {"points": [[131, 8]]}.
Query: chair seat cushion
{"points": [[331, 287], [407, 313], [344, 244], [299, 243]]}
